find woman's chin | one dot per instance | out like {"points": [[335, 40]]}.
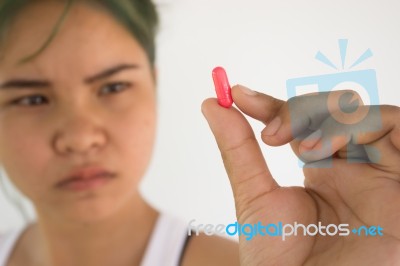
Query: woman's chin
{"points": [[90, 211], [88, 207]]}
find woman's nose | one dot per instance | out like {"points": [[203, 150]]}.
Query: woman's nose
{"points": [[80, 134]]}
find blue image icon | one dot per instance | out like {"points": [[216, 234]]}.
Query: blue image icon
{"points": [[366, 79]]}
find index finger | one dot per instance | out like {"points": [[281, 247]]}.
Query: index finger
{"points": [[243, 160], [296, 118]]}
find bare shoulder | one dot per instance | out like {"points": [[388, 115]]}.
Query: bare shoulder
{"points": [[211, 250], [18, 255], [24, 251]]}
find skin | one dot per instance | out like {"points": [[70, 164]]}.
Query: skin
{"points": [[70, 123], [347, 192]]}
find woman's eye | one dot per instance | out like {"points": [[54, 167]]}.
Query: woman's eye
{"points": [[30, 100], [114, 87]]}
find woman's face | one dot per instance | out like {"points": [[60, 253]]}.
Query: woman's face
{"points": [[88, 99]]}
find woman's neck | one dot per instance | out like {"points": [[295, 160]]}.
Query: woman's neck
{"points": [[117, 240]]}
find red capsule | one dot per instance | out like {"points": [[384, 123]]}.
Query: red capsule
{"points": [[222, 87]]}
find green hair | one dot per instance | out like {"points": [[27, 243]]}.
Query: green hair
{"points": [[138, 16]]}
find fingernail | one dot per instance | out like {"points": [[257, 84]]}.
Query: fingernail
{"points": [[247, 91], [273, 126], [312, 139]]}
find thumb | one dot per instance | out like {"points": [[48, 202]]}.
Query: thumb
{"points": [[245, 165]]}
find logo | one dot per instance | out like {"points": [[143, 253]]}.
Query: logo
{"points": [[345, 108], [282, 230]]}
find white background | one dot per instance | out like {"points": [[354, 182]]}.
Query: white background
{"points": [[261, 44]]}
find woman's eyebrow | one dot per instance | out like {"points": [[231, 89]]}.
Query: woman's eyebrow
{"points": [[29, 84], [109, 72], [24, 84]]}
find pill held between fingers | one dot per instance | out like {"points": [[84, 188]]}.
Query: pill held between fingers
{"points": [[222, 87]]}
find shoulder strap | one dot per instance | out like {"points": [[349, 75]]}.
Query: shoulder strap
{"points": [[167, 242], [7, 243]]}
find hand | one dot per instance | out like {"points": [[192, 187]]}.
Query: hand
{"points": [[352, 176]]}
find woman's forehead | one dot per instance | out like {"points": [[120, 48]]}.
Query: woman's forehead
{"points": [[88, 36]]}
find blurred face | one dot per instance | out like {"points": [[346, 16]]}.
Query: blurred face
{"points": [[87, 100]]}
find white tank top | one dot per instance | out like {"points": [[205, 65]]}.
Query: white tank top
{"points": [[166, 246]]}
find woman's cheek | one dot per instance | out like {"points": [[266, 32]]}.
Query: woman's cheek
{"points": [[25, 156], [134, 132]]}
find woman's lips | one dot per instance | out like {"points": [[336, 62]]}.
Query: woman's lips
{"points": [[86, 178]]}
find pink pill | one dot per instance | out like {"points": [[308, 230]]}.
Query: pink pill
{"points": [[222, 87]]}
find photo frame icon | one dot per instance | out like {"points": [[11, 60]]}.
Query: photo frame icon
{"points": [[323, 83], [339, 108], [363, 82]]}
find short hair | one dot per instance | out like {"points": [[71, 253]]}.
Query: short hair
{"points": [[140, 17]]}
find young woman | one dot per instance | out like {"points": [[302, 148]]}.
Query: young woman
{"points": [[77, 122], [78, 101]]}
